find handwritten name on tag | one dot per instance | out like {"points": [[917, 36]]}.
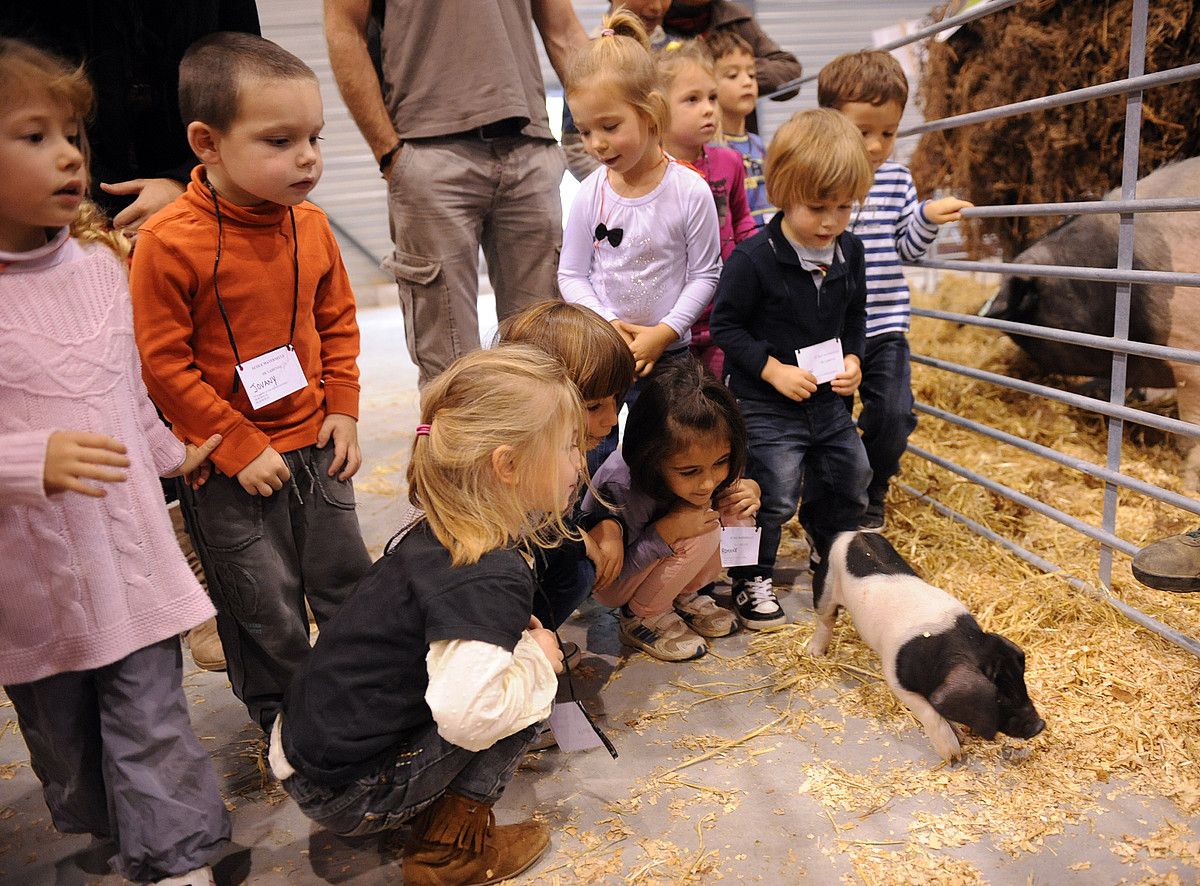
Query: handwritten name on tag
{"points": [[272, 376], [739, 545], [823, 360]]}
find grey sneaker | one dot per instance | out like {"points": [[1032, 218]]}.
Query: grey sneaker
{"points": [[664, 636], [1170, 564], [704, 616]]}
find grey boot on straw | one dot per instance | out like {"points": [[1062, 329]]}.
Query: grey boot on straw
{"points": [[456, 842], [1170, 564]]}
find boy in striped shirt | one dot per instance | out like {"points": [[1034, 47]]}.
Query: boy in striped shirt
{"points": [[870, 88]]}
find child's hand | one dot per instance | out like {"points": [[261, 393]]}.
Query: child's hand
{"points": [[548, 643], [75, 456], [686, 521], [344, 431], [846, 382], [266, 474], [947, 209], [791, 381], [620, 325], [647, 343], [741, 500], [196, 467], [605, 546]]}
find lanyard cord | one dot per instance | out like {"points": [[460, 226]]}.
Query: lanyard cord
{"points": [[217, 288]]}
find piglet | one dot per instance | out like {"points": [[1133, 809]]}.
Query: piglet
{"points": [[936, 658]]}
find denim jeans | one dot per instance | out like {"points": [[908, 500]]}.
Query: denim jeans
{"points": [[425, 767], [565, 578], [264, 556], [787, 439], [887, 418]]}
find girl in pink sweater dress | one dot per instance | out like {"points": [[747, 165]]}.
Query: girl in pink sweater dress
{"points": [[93, 588]]}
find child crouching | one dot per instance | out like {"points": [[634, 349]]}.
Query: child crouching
{"points": [[422, 693], [676, 479]]}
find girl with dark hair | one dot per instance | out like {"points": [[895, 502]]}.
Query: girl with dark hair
{"points": [[677, 479]]}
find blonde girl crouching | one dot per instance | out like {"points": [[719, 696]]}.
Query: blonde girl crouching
{"points": [[422, 693]]}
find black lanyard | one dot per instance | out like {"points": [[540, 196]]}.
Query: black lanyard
{"points": [[217, 289]]}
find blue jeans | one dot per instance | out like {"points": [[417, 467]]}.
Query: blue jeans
{"points": [[565, 577], [787, 439], [425, 767], [887, 418]]}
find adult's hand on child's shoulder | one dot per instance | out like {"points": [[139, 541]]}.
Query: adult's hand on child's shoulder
{"points": [[547, 642], [196, 467], [791, 381], [75, 456], [946, 209], [347, 455], [152, 194], [266, 474]]}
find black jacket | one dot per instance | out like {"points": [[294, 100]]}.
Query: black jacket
{"points": [[768, 306], [131, 50]]}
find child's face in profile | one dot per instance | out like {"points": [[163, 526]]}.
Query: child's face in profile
{"points": [[270, 152], [737, 83], [878, 125], [42, 177], [601, 418], [694, 472], [816, 224], [557, 482]]}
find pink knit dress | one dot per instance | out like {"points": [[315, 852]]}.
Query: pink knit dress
{"points": [[83, 581]]}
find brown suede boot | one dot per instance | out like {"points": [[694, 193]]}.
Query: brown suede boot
{"points": [[456, 842], [205, 645]]}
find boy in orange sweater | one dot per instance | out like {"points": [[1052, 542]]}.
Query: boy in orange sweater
{"points": [[245, 322]]}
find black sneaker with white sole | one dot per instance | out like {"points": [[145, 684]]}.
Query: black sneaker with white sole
{"points": [[755, 603]]}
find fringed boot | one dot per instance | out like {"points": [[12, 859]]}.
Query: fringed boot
{"points": [[456, 842]]}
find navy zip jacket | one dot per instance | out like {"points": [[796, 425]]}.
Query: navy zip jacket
{"points": [[768, 306]]}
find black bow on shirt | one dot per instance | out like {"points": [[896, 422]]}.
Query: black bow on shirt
{"points": [[612, 235]]}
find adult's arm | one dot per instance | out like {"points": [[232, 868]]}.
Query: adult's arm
{"points": [[559, 26], [346, 36], [772, 64]]}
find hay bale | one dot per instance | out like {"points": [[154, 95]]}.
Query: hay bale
{"points": [[1037, 48]]}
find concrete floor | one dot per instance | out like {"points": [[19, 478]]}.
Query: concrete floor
{"points": [[804, 792]]}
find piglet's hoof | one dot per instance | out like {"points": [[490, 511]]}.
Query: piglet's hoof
{"points": [[945, 742], [817, 649]]}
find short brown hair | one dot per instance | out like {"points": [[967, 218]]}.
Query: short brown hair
{"points": [[817, 155], [596, 357], [725, 42], [214, 68], [871, 76], [620, 58]]}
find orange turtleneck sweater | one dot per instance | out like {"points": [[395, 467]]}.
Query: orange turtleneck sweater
{"points": [[187, 361]]}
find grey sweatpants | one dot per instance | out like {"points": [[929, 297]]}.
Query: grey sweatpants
{"points": [[264, 556], [117, 758]]}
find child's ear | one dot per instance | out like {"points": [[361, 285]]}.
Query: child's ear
{"points": [[205, 142], [504, 463]]}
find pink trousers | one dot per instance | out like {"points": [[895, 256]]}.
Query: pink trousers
{"points": [[695, 563]]}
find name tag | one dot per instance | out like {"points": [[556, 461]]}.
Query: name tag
{"points": [[739, 545], [823, 360], [272, 376], [572, 729]]}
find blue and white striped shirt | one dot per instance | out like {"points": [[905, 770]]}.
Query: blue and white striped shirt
{"points": [[893, 227]]}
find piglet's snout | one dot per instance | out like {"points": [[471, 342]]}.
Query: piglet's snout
{"points": [[1027, 724]]}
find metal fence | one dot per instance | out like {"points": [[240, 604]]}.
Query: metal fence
{"points": [[1118, 343]]}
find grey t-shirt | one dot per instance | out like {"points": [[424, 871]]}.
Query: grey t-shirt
{"points": [[453, 65]]}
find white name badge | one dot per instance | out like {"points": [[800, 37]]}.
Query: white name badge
{"points": [[272, 376], [571, 728], [823, 360], [739, 545]]}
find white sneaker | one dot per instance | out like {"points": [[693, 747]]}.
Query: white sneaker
{"points": [[665, 636], [756, 604], [199, 877], [704, 616]]}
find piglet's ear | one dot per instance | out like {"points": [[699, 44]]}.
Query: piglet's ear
{"points": [[967, 696]]}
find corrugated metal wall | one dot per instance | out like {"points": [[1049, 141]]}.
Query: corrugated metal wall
{"points": [[353, 194]]}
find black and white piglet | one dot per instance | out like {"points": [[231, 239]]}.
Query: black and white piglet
{"points": [[936, 658]]}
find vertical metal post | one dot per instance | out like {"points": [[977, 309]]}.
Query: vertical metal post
{"points": [[1129, 174]]}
